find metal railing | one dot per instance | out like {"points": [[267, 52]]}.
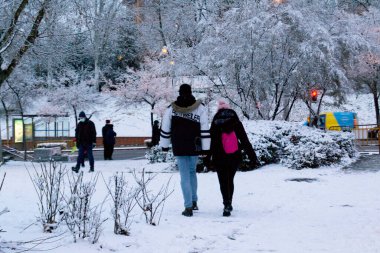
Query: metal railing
{"points": [[366, 136]]}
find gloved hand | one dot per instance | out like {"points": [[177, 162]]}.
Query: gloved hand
{"points": [[165, 149], [207, 161]]}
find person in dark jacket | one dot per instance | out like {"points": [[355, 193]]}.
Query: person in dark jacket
{"points": [[226, 162], [155, 133], [185, 125], [109, 140], [85, 135]]}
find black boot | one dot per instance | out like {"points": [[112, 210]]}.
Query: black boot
{"points": [[195, 206], [188, 212], [91, 169], [75, 169], [227, 205], [226, 212]]}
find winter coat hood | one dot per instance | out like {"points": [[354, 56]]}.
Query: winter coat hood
{"points": [[225, 120], [186, 105]]}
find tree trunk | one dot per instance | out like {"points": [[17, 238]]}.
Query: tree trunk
{"points": [[278, 99], [376, 102], [96, 69], [151, 116], [7, 126], [29, 41], [161, 29], [75, 115], [23, 135], [290, 108], [6, 119]]}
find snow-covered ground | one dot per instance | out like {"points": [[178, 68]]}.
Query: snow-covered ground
{"points": [[338, 212]]}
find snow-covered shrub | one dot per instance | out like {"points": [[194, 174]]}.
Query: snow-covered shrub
{"points": [[266, 147], [48, 181], [83, 219], [123, 202], [298, 146], [291, 144], [151, 203], [155, 155], [319, 148]]}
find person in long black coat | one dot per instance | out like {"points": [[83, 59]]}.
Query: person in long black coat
{"points": [[155, 133], [226, 165], [109, 140]]}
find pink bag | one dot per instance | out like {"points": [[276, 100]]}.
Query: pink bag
{"points": [[230, 142]]}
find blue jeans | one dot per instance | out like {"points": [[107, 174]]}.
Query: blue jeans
{"points": [[90, 156], [187, 170]]}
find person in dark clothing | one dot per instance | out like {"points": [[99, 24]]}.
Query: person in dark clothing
{"points": [[226, 156], [84, 156], [85, 135], [185, 125], [155, 133], [109, 140]]}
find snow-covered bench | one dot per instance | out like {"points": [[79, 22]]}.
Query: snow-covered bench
{"points": [[61, 145]]}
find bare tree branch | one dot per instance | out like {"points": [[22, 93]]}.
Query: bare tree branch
{"points": [[29, 41]]}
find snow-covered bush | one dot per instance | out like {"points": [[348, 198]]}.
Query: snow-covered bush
{"points": [[311, 152], [155, 155], [123, 202], [82, 217], [267, 147], [290, 144], [298, 146], [151, 203], [48, 181]]}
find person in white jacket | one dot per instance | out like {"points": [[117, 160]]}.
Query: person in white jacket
{"points": [[185, 125]]}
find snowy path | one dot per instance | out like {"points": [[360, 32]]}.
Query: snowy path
{"points": [[338, 212]]}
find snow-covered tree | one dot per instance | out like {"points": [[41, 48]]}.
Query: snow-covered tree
{"points": [[19, 30], [102, 20], [261, 55], [23, 92], [70, 92], [363, 55], [152, 85]]}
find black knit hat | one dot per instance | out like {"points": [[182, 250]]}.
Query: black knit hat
{"points": [[185, 90], [82, 114]]}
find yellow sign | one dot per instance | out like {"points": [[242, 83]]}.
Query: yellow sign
{"points": [[17, 125], [19, 133]]}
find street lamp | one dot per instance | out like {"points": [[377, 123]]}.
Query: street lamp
{"points": [[164, 50]]}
